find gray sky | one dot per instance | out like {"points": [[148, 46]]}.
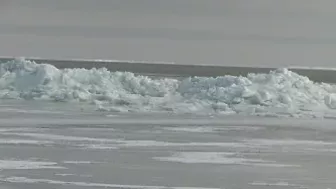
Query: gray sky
{"points": [[227, 32]]}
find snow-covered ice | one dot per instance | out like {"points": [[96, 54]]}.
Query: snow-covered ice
{"points": [[280, 92], [97, 151]]}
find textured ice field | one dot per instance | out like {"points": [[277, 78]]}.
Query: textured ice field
{"points": [[277, 93], [48, 146], [78, 128]]}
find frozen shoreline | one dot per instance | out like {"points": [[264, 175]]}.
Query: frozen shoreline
{"points": [[278, 93]]}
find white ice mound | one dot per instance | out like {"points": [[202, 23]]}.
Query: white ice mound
{"points": [[280, 91], [28, 80]]}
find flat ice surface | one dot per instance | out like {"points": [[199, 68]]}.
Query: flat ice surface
{"points": [[89, 149], [225, 32]]}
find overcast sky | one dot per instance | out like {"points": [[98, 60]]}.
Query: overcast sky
{"points": [[227, 32]]}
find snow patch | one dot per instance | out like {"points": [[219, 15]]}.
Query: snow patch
{"points": [[191, 129], [210, 129], [64, 174], [99, 146], [288, 142], [19, 129], [227, 158], [23, 142], [109, 143], [62, 137], [27, 164], [317, 150], [279, 184], [81, 162], [149, 143], [87, 184]]}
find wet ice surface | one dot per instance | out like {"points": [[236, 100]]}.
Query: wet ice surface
{"points": [[74, 149]]}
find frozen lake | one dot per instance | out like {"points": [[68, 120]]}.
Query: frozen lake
{"points": [[226, 32], [60, 147], [63, 144], [78, 128]]}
